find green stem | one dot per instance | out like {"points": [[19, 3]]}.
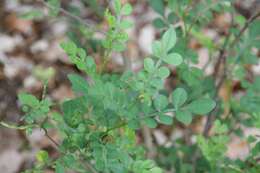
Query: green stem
{"points": [[13, 126]]}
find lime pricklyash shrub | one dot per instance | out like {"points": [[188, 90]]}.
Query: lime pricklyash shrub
{"points": [[98, 126]]}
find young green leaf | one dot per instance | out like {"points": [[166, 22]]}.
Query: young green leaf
{"points": [[118, 47], [55, 7], [159, 23], [148, 64], [220, 128], [184, 117], [59, 168], [42, 156], [163, 72], [28, 99], [133, 124], [169, 39], [202, 106], [74, 110], [33, 14], [173, 59], [165, 119], [179, 97], [160, 102], [79, 84], [157, 49], [156, 170], [69, 47], [117, 6], [125, 24], [150, 122], [158, 6], [127, 9]]}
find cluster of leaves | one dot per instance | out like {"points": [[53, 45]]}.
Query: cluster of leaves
{"points": [[236, 48], [98, 126]]}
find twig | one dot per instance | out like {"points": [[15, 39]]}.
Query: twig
{"points": [[148, 140], [45, 85], [222, 57], [50, 138], [247, 24], [13, 126], [77, 18]]}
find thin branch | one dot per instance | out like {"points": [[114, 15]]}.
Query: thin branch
{"points": [[44, 92], [50, 138], [77, 18], [222, 58], [13, 126], [247, 24], [148, 140]]}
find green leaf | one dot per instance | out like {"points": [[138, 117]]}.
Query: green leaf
{"points": [[119, 47], [206, 41], [179, 97], [172, 18], [184, 117], [150, 122], [163, 72], [254, 29], [158, 6], [74, 110], [220, 128], [160, 102], [148, 64], [157, 49], [45, 105], [69, 47], [90, 65], [117, 6], [28, 99], [55, 7], [59, 168], [156, 170], [213, 148], [165, 119], [79, 84], [44, 74], [127, 9], [42, 156], [125, 24], [133, 124], [169, 39], [159, 23], [32, 14], [173, 59], [202, 106]]}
